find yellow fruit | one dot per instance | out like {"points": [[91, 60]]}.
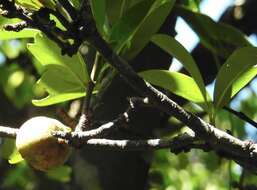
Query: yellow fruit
{"points": [[38, 147]]}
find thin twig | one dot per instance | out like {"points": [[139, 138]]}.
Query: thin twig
{"points": [[140, 145], [85, 118], [177, 144], [104, 129], [69, 8], [8, 132], [242, 116]]}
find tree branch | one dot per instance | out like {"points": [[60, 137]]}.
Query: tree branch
{"points": [[183, 142], [242, 116], [244, 153], [8, 132], [178, 144]]}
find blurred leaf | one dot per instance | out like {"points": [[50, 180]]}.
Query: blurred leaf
{"points": [[76, 3], [37, 4], [192, 4], [220, 38], [19, 177], [179, 84], [114, 10], [7, 148], [174, 48], [9, 152], [249, 105], [15, 157], [62, 174], [234, 74], [25, 33]]}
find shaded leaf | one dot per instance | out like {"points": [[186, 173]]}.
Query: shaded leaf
{"points": [[9, 151], [7, 148], [220, 38], [62, 173]]}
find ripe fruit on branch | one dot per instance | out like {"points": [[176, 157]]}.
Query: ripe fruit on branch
{"points": [[38, 147]]}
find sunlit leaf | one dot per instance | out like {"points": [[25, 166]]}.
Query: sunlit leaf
{"points": [[59, 78], [174, 48], [63, 77], [15, 157], [47, 52], [25, 33], [55, 99], [179, 84], [61, 84], [236, 72]]}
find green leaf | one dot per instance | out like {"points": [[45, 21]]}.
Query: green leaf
{"points": [[15, 157], [129, 22], [174, 48], [61, 84], [7, 148], [114, 10], [25, 33], [98, 8], [220, 38], [37, 4], [9, 151], [236, 72], [63, 77], [179, 84], [59, 79], [149, 26], [136, 27], [55, 99], [62, 173], [29, 4], [47, 52]]}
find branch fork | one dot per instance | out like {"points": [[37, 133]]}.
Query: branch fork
{"points": [[83, 28]]}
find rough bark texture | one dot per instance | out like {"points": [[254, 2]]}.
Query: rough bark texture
{"points": [[129, 170]]}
